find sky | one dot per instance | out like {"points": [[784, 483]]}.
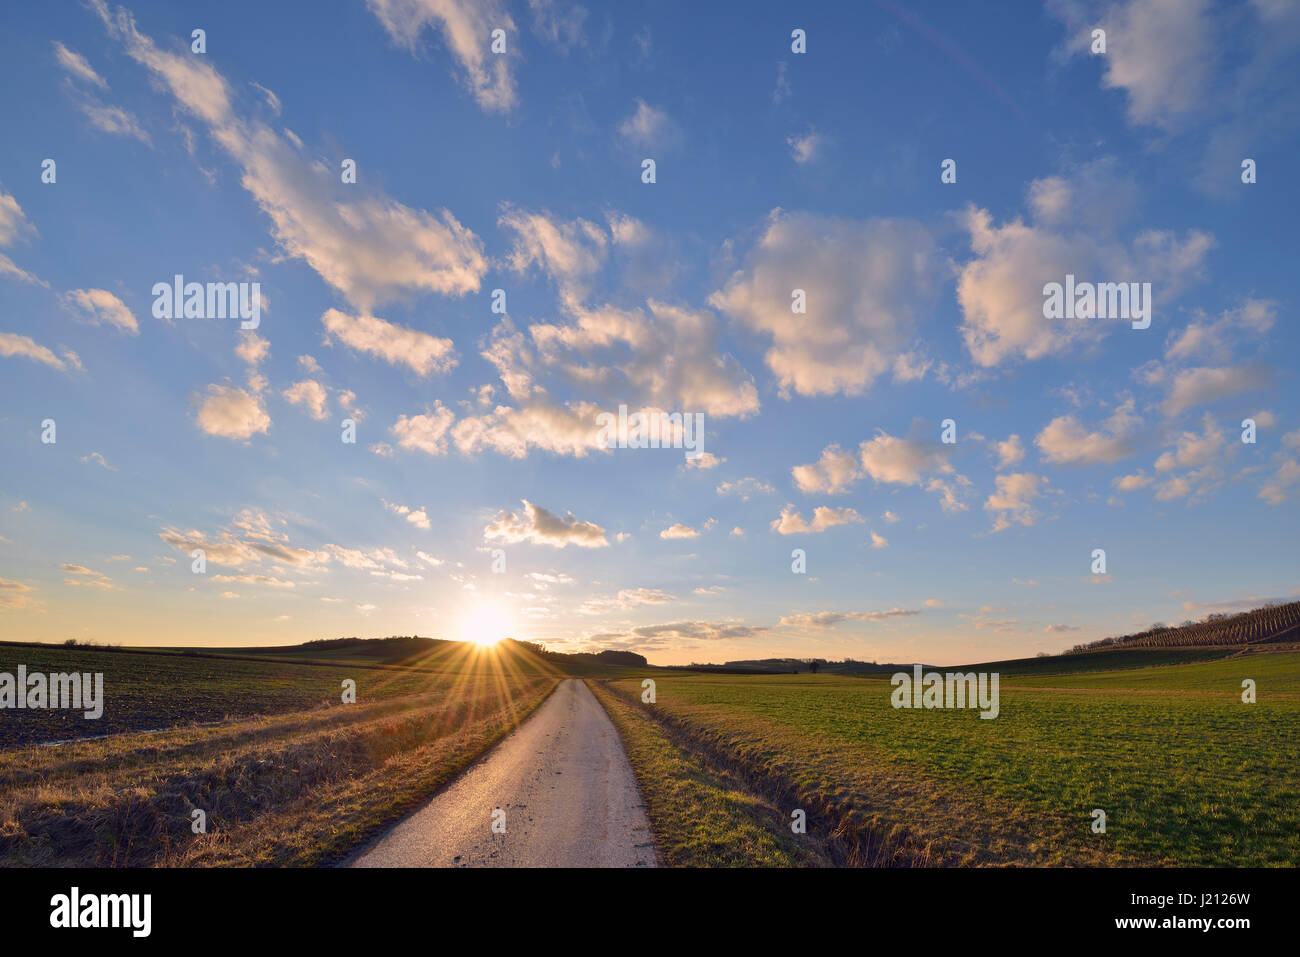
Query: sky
{"points": [[795, 148]]}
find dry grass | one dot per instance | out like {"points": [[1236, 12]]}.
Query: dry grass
{"points": [[292, 789]]}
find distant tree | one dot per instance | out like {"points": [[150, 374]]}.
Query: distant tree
{"points": [[813, 666]]}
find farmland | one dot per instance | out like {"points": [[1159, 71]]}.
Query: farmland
{"points": [[1185, 771], [283, 771]]}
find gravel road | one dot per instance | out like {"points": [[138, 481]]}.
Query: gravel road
{"points": [[566, 789]]}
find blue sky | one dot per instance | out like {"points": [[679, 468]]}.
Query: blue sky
{"points": [[522, 171]]}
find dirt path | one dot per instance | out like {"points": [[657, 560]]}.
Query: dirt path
{"points": [[566, 789]]}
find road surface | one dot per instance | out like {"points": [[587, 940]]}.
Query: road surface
{"points": [[566, 789]]}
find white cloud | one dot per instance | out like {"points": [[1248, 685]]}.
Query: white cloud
{"points": [[790, 522], [1065, 441], [1194, 450], [535, 524], [98, 459], [99, 306], [12, 344], [1161, 53], [394, 344], [232, 413], [466, 27], [252, 348], [367, 246], [646, 126], [74, 64], [1009, 451], [835, 472], [864, 282], [1074, 230], [829, 619], [114, 120], [1012, 502], [706, 461], [416, 516], [804, 147], [746, 488], [311, 395], [1205, 384], [426, 432], [678, 530], [13, 594]]}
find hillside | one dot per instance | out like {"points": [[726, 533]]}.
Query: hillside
{"points": [[1271, 623]]}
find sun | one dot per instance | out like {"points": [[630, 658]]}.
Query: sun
{"points": [[485, 625]]}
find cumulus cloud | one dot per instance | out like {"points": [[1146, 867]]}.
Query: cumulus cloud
{"points": [[1009, 451], [416, 516], [367, 246], [540, 527], [886, 459], [1074, 229], [427, 431], [568, 251], [665, 355], [790, 522], [311, 395], [864, 282], [1202, 385], [1012, 503], [706, 461], [835, 472], [647, 126], [1161, 53], [232, 413], [252, 348], [397, 345], [1066, 441], [1193, 449]]}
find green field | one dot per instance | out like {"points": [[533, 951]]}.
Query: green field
{"points": [[1186, 773]]}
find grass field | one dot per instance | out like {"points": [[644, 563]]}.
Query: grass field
{"points": [[285, 772], [1186, 773]]}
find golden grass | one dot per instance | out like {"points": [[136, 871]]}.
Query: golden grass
{"points": [[292, 789]]}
